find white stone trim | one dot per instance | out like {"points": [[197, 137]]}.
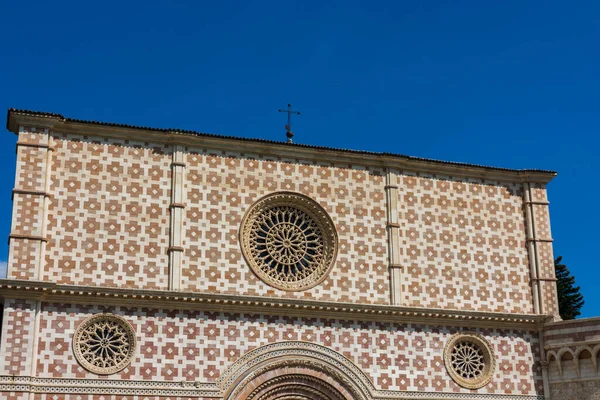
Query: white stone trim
{"points": [[52, 292], [47, 170], [532, 249], [393, 231], [176, 233]]}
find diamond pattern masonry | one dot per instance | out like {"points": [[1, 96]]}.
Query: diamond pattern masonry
{"points": [[462, 244], [109, 214], [222, 186], [199, 346]]}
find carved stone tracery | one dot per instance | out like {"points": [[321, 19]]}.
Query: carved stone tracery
{"points": [[104, 343], [289, 241]]}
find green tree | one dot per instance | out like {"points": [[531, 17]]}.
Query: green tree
{"points": [[570, 300]]}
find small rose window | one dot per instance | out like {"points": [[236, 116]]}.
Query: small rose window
{"points": [[104, 343], [469, 360]]}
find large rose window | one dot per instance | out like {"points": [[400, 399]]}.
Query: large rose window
{"points": [[289, 241]]}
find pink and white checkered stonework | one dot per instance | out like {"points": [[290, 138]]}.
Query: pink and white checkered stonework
{"points": [[162, 264]]}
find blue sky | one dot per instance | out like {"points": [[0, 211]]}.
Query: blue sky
{"points": [[512, 84]]}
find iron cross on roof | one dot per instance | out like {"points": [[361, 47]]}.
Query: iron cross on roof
{"points": [[288, 127]]}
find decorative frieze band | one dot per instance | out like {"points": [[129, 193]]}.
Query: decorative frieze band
{"points": [[47, 291], [108, 387], [25, 384]]}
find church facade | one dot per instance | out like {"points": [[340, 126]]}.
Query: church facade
{"points": [[166, 264]]}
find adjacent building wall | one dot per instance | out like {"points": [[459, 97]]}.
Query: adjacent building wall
{"points": [[572, 357]]}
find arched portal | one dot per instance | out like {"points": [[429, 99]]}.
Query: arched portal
{"points": [[297, 385], [294, 371]]}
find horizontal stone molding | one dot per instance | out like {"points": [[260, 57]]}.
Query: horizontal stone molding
{"points": [[544, 279], [580, 344], [108, 387], [576, 380], [177, 205], [175, 248], [540, 240], [69, 294], [537, 202], [37, 145], [28, 237], [31, 192], [388, 394], [194, 389], [178, 164], [196, 140]]}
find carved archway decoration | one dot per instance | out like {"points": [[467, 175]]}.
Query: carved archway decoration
{"points": [[294, 370]]}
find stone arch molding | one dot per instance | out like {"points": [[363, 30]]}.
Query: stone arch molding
{"points": [[269, 371], [574, 356]]}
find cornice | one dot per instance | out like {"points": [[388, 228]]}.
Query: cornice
{"points": [[58, 123], [566, 324], [52, 292], [108, 387]]}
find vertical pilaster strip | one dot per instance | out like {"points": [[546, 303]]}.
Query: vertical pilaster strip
{"points": [[45, 206], [34, 346], [393, 231], [177, 206], [544, 252], [531, 249]]}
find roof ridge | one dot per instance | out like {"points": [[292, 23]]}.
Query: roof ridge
{"points": [[258, 140]]}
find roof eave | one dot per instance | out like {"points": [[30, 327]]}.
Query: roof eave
{"points": [[57, 122]]}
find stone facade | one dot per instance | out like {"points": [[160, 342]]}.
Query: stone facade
{"points": [[145, 224]]}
